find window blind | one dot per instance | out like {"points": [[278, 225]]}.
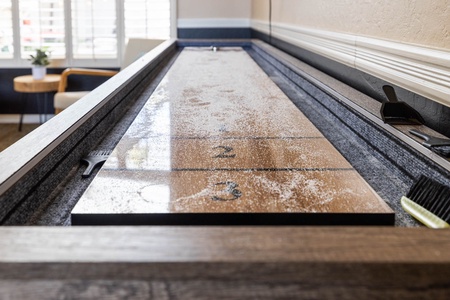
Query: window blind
{"points": [[6, 30], [42, 26], [81, 32], [147, 19], [94, 29]]}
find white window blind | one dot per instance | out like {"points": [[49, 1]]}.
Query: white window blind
{"points": [[6, 30], [147, 19], [94, 29], [79, 32], [42, 26]]}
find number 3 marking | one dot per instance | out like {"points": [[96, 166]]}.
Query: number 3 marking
{"points": [[230, 188]]}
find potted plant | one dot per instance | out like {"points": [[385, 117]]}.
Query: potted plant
{"points": [[40, 61]]}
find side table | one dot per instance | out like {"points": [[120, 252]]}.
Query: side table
{"points": [[27, 85]]}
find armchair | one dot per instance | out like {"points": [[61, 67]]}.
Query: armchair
{"points": [[135, 48], [64, 99]]}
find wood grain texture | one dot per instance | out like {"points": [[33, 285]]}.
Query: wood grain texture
{"points": [[198, 289], [221, 244], [225, 262], [211, 143], [91, 72], [9, 133], [26, 84]]}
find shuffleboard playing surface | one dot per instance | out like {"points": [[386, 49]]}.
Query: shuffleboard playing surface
{"points": [[219, 143]]}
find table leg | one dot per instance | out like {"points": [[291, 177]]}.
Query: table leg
{"points": [[41, 106], [45, 106], [42, 102], [24, 102]]}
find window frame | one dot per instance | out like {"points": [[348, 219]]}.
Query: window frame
{"points": [[9, 23], [18, 62]]}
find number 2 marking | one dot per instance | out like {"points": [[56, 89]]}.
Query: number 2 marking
{"points": [[230, 189], [224, 154]]}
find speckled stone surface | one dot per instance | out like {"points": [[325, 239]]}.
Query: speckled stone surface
{"points": [[218, 137]]}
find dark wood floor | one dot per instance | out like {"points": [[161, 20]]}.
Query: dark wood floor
{"points": [[9, 133]]}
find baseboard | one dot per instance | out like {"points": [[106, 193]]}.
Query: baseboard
{"points": [[214, 33], [422, 70], [27, 119], [221, 28]]}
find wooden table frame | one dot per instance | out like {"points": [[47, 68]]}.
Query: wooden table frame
{"points": [[206, 262], [27, 84]]}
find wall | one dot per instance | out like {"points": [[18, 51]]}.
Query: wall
{"points": [[260, 10], [214, 18], [404, 43], [417, 22], [214, 9]]}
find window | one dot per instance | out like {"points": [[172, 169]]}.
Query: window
{"points": [[6, 30], [94, 29], [79, 32], [42, 26], [147, 19]]}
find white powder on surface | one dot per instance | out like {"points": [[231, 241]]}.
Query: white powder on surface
{"points": [[218, 96]]}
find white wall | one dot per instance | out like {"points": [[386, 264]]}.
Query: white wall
{"points": [[405, 42], [422, 22], [214, 13]]}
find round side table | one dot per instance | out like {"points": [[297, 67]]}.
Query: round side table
{"points": [[27, 85]]}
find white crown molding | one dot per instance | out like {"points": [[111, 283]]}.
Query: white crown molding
{"points": [[213, 23], [423, 70], [337, 46], [260, 26]]}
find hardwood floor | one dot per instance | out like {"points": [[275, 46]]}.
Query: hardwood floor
{"points": [[9, 133]]}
